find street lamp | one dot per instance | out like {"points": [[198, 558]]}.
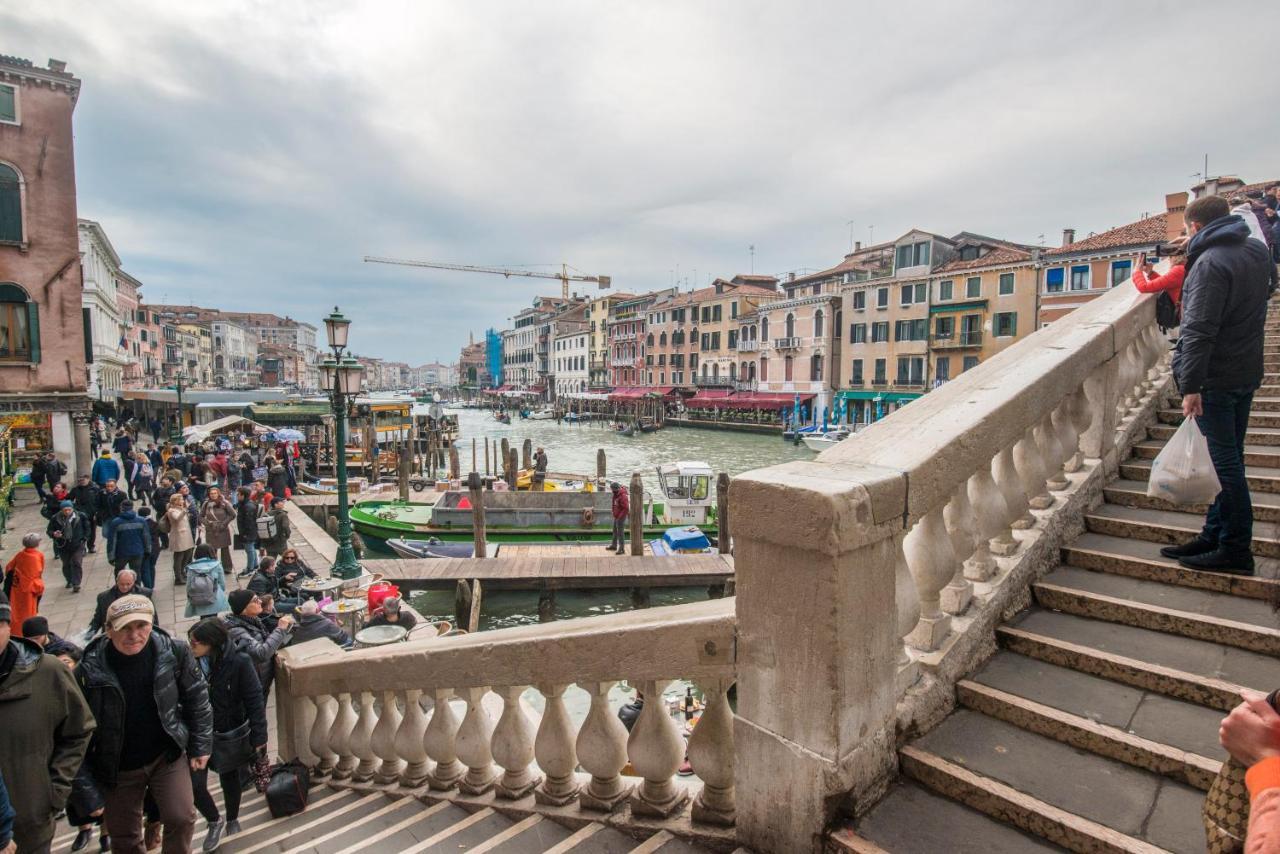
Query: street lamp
{"points": [[340, 377], [176, 436]]}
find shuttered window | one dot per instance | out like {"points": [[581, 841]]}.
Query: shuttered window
{"points": [[10, 205]]}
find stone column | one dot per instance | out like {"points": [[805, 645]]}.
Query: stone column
{"points": [[82, 459], [839, 741]]}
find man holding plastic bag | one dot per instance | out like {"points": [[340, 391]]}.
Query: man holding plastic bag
{"points": [[1217, 366]]}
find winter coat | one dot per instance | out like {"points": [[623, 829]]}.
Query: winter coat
{"points": [[277, 544], [45, 727], [182, 700], [211, 567], [104, 469], [247, 520], [74, 530], [181, 462], [621, 504], [108, 504], [1170, 281], [6, 815], [111, 594], [278, 481], [313, 626], [298, 569], [85, 799], [127, 536], [54, 470], [122, 445], [261, 645], [160, 498], [86, 498], [39, 467], [143, 477], [1263, 780], [27, 567], [236, 694], [176, 523], [1224, 309], [264, 583], [217, 519]]}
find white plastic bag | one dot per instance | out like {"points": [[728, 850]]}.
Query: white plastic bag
{"points": [[1183, 471]]}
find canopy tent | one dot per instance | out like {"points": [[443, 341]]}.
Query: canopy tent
{"points": [[639, 392], [746, 400], [199, 432]]}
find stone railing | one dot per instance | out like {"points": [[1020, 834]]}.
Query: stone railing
{"points": [[447, 718]]}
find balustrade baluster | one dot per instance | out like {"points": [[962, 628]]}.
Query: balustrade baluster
{"points": [[475, 738], [340, 738], [513, 746], [326, 712], [1053, 455], [958, 518], [990, 513], [1138, 375], [1026, 458], [553, 748], [927, 547], [408, 741], [362, 740], [1128, 377], [302, 712], [1082, 419], [602, 750], [1068, 438], [907, 600], [656, 749], [1005, 474], [711, 755], [383, 741], [441, 743]]}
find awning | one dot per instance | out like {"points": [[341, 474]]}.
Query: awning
{"points": [[971, 305], [638, 392], [231, 422], [882, 396], [291, 414], [712, 398]]}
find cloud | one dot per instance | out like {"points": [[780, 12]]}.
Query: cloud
{"points": [[248, 154]]}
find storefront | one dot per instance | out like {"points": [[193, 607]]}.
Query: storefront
{"points": [[867, 406], [37, 424]]}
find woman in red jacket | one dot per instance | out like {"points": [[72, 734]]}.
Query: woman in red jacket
{"points": [[25, 581], [1147, 282]]}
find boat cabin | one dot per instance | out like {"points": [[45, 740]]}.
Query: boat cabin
{"points": [[686, 490]]}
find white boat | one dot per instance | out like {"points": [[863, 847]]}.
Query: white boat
{"points": [[821, 441], [542, 415]]}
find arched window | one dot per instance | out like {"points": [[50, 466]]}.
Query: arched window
{"points": [[10, 205], [817, 324], [791, 327], [815, 368], [649, 340], [19, 325], [764, 369], [750, 370], [662, 339], [733, 371], [715, 371], [764, 331], [787, 368]]}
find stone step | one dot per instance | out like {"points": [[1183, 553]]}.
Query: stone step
{"points": [[398, 825], [1256, 419], [1259, 478], [279, 835], [1197, 671], [1162, 734], [1141, 559], [911, 819], [1167, 526], [1264, 456], [1133, 493], [1070, 796], [1219, 617], [1265, 436], [1266, 404]]}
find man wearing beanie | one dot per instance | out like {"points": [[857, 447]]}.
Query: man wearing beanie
{"points": [[36, 630], [253, 637], [70, 531], [45, 726]]}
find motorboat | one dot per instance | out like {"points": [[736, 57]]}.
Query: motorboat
{"points": [[822, 441], [685, 540], [434, 547], [542, 415]]}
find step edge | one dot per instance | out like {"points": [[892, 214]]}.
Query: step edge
{"points": [[445, 832], [263, 844], [1246, 587]]}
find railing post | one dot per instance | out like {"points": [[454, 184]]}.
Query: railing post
{"points": [[1098, 441]]}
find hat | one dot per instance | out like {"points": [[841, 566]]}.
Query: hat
{"points": [[63, 505], [34, 626], [130, 609], [5, 614], [239, 600], [391, 604]]}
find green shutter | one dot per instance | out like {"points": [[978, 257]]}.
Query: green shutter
{"points": [[33, 329], [1013, 324]]}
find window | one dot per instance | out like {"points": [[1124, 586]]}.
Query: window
{"points": [[791, 326], [1120, 272], [973, 287], [970, 362], [944, 290], [907, 291], [19, 325], [787, 369], [715, 340], [880, 375], [8, 104], [715, 312], [942, 368], [1005, 324], [10, 204], [1053, 280], [855, 374], [1006, 284], [817, 324], [913, 254], [944, 327], [706, 314], [910, 370], [921, 296], [764, 329], [764, 370], [857, 333], [1080, 277], [882, 298], [859, 300], [733, 338], [879, 332], [815, 368], [911, 330]]}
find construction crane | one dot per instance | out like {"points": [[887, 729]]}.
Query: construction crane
{"points": [[564, 276]]}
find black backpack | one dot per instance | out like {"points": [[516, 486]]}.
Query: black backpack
{"points": [[1166, 312], [288, 790]]}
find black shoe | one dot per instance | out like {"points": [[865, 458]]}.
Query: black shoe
{"points": [[82, 839], [1220, 561], [213, 838], [1195, 547], [75, 589], [93, 550], [68, 587], [611, 547], [233, 826], [104, 843]]}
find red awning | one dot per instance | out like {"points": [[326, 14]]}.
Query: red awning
{"points": [[718, 398], [764, 400], [539, 389], [637, 392]]}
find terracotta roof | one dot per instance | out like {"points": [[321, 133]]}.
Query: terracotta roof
{"points": [[865, 258], [1140, 233], [1002, 255]]}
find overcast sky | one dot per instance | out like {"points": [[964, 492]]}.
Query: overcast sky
{"points": [[245, 154]]}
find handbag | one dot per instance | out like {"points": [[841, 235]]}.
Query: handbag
{"points": [[1226, 810], [231, 750]]}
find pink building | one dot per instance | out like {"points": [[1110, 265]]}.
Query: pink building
{"points": [[128, 294]]}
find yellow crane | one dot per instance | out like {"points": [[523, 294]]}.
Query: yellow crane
{"points": [[564, 275]]}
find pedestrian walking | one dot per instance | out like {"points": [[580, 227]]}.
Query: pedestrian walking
{"points": [[253, 637], [1218, 365], [110, 499], [105, 469], [143, 479], [621, 510], [155, 724], [277, 478], [122, 444], [247, 512], [85, 497], [176, 523], [69, 531], [45, 727], [206, 584], [128, 539], [38, 477], [126, 584], [54, 469], [217, 515], [85, 803], [148, 572], [279, 528], [24, 581]]}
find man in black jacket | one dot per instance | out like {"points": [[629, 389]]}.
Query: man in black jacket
{"points": [[155, 724], [1218, 366], [85, 497], [69, 530], [312, 625], [126, 585]]}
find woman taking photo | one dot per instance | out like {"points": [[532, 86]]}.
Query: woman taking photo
{"points": [[239, 723]]}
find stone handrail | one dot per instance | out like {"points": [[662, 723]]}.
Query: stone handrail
{"points": [[384, 713]]}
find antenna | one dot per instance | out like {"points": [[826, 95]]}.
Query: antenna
{"points": [[850, 224], [871, 230], [752, 250]]}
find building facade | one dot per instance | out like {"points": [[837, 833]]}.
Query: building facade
{"points": [[235, 355], [571, 358], [43, 378], [128, 301], [598, 312], [103, 322]]}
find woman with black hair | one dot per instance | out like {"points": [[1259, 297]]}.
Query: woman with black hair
{"points": [[239, 723]]}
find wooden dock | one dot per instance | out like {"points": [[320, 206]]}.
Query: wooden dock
{"points": [[596, 568]]}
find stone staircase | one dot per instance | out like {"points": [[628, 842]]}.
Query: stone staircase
{"points": [[1094, 727], [352, 820]]}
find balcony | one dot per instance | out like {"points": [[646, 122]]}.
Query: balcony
{"points": [[958, 342], [748, 346], [598, 365], [714, 382], [879, 382], [792, 343], [745, 385]]}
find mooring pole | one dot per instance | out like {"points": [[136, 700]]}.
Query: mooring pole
{"points": [[637, 515], [722, 512], [512, 464], [477, 514]]}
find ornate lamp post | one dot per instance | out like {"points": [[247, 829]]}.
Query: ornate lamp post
{"points": [[176, 435], [341, 377]]}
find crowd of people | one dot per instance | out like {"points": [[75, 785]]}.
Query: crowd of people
{"points": [[119, 735]]}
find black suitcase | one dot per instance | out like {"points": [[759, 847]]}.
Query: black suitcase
{"points": [[288, 790]]}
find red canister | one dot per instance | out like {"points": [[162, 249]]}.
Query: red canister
{"points": [[378, 591]]}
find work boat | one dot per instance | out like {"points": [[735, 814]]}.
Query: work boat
{"points": [[822, 441], [561, 516]]}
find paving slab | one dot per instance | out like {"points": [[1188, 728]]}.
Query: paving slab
{"points": [[1175, 822]]}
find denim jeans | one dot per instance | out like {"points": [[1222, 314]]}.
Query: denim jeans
{"points": [[1229, 522], [251, 553]]}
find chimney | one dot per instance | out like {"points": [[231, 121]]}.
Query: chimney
{"points": [[1068, 236], [791, 276], [857, 246], [1175, 206], [57, 66]]}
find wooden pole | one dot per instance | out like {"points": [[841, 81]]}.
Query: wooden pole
{"points": [[462, 604], [473, 453], [526, 455], [404, 470], [506, 455], [600, 464], [487, 469], [722, 512], [473, 619], [637, 515], [512, 463], [455, 467], [546, 605], [477, 514]]}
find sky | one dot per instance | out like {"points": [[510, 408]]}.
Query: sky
{"points": [[247, 154]]}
